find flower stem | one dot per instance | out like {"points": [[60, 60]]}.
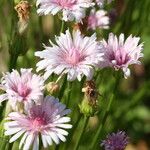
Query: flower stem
{"points": [[69, 93], [61, 93], [62, 26], [85, 121], [98, 133]]}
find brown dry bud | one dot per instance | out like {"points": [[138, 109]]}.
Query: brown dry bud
{"points": [[52, 87], [81, 26], [23, 10], [91, 92]]}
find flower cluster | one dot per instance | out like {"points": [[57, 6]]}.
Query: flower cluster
{"points": [[35, 115], [32, 115]]}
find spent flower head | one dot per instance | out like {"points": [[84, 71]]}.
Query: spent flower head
{"points": [[116, 141], [23, 10], [71, 9], [24, 87], [74, 55], [120, 53], [46, 120]]}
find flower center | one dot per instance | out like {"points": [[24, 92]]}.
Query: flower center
{"points": [[73, 57], [119, 58], [38, 121], [23, 90], [66, 3]]}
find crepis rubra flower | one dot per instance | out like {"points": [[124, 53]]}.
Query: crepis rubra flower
{"points": [[120, 53], [71, 9], [46, 120], [74, 55], [24, 87]]}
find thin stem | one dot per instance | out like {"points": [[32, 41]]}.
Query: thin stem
{"points": [[103, 122], [69, 93], [85, 121], [62, 26], [98, 133], [61, 93]]}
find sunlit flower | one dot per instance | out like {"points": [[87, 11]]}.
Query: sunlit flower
{"points": [[75, 55], [47, 121], [25, 87], [98, 19], [71, 9], [120, 53], [116, 141]]}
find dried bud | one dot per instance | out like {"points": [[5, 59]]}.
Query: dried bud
{"points": [[89, 104], [81, 26], [91, 92], [52, 87], [23, 10]]}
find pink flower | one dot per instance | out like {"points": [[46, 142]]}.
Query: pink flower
{"points": [[120, 53], [71, 9], [75, 55], [46, 120], [98, 19], [25, 87]]}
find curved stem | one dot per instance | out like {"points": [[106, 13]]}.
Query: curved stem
{"points": [[85, 121]]}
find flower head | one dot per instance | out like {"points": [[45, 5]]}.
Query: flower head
{"points": [[46, 120], [116, 141], [75, 55], [25, 87], [120, 54], [71, 9], [98, 19]]}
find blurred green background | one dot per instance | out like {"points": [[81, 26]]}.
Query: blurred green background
{"points": [[131, 109]]}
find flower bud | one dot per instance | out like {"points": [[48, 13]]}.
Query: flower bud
{"points": [[52, 87], [89, 104]]}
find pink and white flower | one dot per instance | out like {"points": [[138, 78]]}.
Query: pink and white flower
{"points": [[46, 120], [120, 53], [98, 19], [71, 9], [24, 87], [75, 55]]}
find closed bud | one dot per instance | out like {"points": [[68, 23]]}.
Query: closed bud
{"points": [[52, 87]]}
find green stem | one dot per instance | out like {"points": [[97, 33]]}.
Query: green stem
{"points": [[96, 137], [62, 26], [61, 93], [85, 121], [69, 93], [106, 113]]}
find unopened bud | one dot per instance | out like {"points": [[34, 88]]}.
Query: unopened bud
{"points": [[52, 87]]}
